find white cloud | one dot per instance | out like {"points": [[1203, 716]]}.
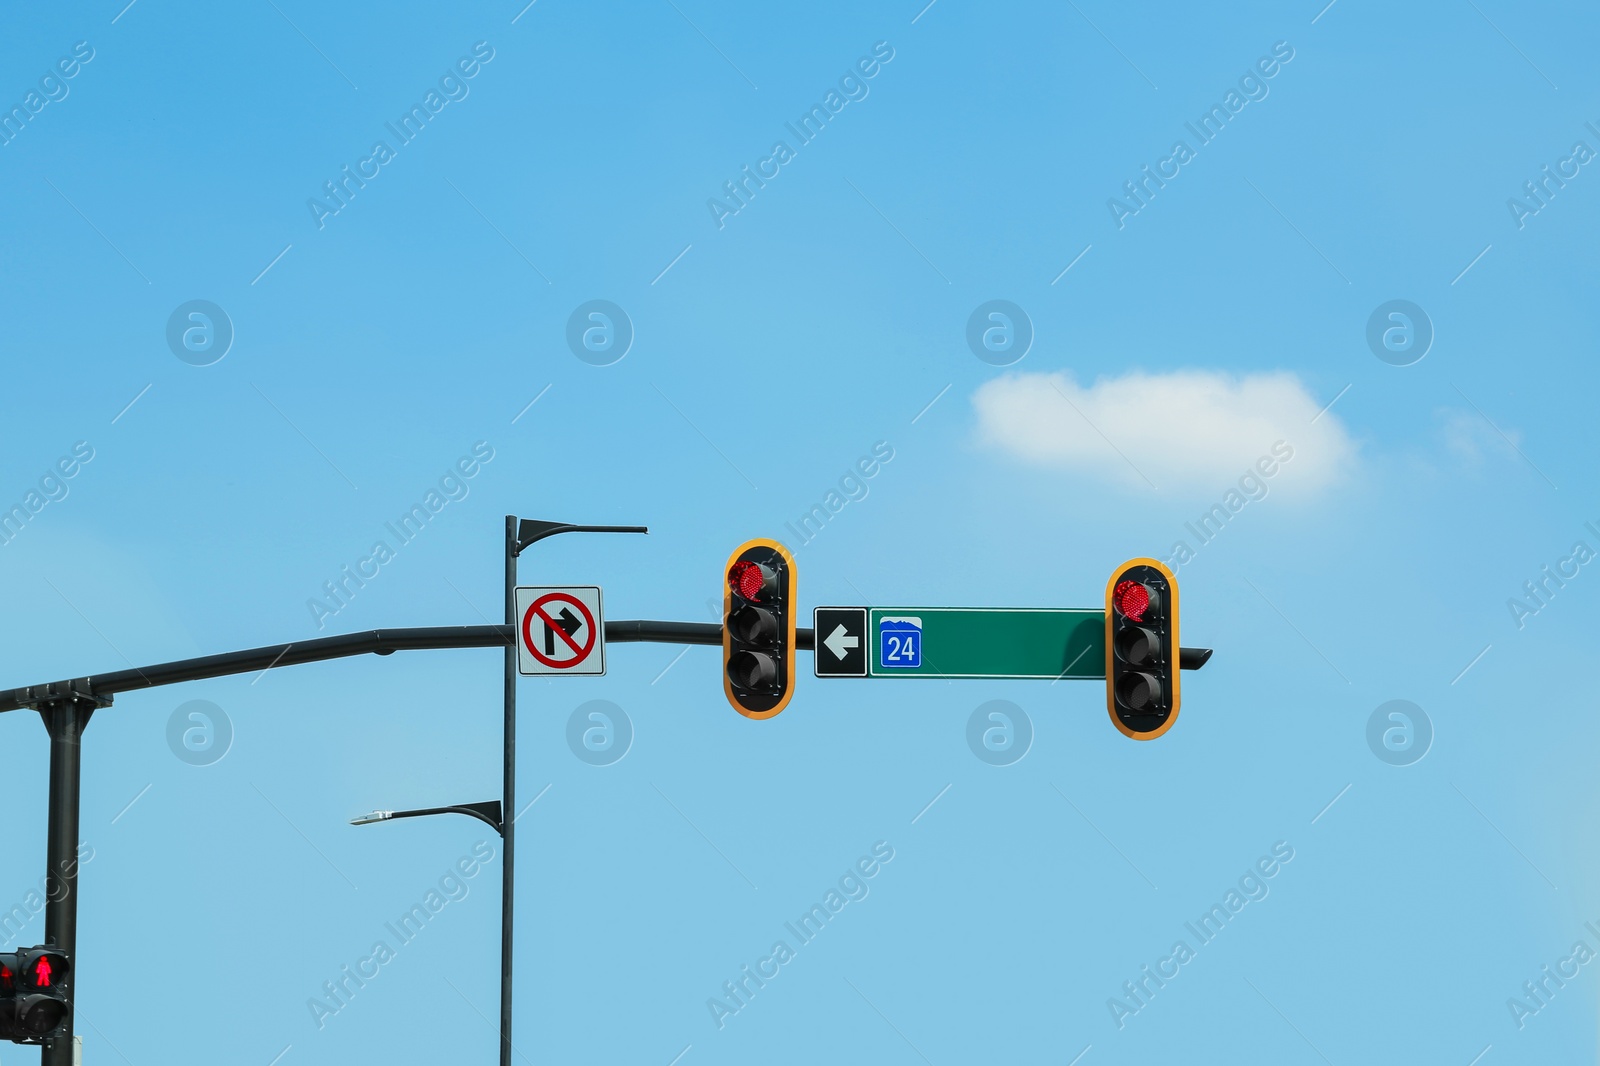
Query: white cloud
{"points": [[1186, 431]]}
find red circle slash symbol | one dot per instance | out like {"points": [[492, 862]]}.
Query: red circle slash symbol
{"points": [[559, 626]]}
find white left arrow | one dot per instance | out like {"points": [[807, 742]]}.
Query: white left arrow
{"points": [[839, 641]]}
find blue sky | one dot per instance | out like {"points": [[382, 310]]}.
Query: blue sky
{"points": [[1173, 347]]}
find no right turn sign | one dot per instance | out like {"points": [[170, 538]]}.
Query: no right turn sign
{"points": [[560, 631]]}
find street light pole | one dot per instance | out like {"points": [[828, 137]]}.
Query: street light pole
{"points": [[65, 718], [520, 534], [508, 872]]}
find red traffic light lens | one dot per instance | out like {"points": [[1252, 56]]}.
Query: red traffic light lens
{"points": [[1131, 599], [746, 579], [8, 980], [36, 968], [44, 973]]}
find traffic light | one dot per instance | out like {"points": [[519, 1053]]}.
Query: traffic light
{"points": [[35, 994], [758, 619], [1142, 648]]}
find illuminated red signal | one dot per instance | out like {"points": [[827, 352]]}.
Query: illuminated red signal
{"points": [[8, 980], [42, 972], [1132, 599], [746, 579]]}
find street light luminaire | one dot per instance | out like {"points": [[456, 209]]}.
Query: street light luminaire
{"points": [[375, 816]]}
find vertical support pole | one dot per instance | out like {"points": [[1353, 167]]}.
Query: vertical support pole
{"points": [[65, 719], [508, 802]]}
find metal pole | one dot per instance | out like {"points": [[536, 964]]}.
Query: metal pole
{"points": [[508, 818], [378, 642], [65, 719]]}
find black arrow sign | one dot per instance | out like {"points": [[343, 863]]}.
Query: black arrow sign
{"points": [[839, 639], [569, 623]]}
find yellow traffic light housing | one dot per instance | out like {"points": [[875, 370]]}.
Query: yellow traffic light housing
{"points": [[758, 628], [1142, 668]]}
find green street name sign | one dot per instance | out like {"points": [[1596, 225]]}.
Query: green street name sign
{"points": [[996, 642]]}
